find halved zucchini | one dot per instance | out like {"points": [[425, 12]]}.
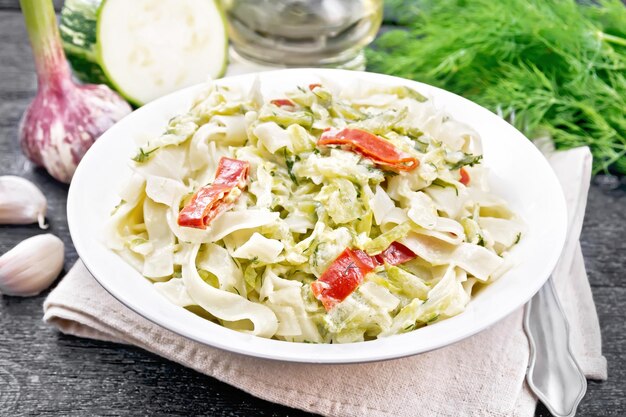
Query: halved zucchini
{"points": [[144, 48]]}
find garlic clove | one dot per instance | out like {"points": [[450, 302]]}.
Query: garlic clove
{"points": [[21, 202], [31, 266]]}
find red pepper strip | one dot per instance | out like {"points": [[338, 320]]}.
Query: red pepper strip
{"points": [[342, 277], [370, 262], [282, 102], [465, 178], [312, 86], [395, 254], [370, 146], [346, 272], [208, 202]]}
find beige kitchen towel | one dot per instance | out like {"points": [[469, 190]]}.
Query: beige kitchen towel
{"points": [[479, 376]]}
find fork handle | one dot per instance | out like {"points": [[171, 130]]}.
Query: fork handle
{"points": [[553, 373]]}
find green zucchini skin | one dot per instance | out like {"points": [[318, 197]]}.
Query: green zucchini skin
{"points": [[78, 26]]}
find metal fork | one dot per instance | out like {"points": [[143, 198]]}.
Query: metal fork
{"points": [[553, 373]]}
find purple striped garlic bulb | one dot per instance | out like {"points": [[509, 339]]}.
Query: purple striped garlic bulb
{"points": [[65, 118]]}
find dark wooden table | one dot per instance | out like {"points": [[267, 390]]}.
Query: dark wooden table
{"points": [[43, 372]]}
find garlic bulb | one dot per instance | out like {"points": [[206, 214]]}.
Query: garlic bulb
{"points": [[21, 202], [65, 118], [31, 266]]}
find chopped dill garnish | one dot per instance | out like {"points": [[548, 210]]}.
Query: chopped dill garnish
{"points": [[289, 162], [467, 160], [143, 156], [350, 267], [122, 202]]}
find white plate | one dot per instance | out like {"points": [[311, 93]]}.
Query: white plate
{"points": [[519, 173]]}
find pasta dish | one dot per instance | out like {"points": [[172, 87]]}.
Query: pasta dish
{"points": [[321, 215]]}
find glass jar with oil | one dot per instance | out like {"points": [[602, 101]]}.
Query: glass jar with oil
{"points": [[303, 33]]}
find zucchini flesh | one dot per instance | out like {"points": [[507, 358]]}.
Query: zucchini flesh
{"points": [[144, 48]]}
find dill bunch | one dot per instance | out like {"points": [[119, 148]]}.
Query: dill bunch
{"points": [[552, 67]]}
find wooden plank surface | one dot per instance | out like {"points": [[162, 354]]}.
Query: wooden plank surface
{"points": [[45, 373]]}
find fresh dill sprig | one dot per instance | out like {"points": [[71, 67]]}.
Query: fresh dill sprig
{"points": [[550, 67]]}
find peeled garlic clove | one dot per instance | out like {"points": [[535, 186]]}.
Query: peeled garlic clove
{"points": [[21, 202], [31, 266]]}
